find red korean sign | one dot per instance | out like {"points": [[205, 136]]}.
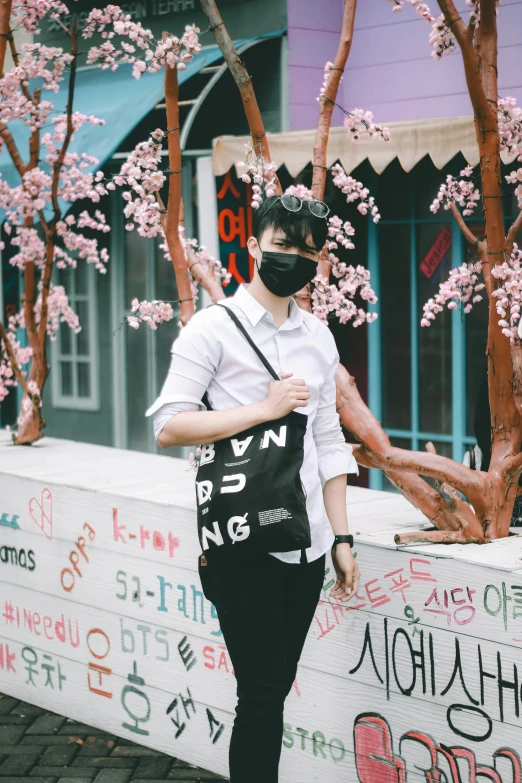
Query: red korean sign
{"points": [[436, 253], [235, 226]]}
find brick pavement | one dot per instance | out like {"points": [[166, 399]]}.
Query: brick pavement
{"points": [[37, 746]]}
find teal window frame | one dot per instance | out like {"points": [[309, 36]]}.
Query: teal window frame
{"points": [[458, 438]]}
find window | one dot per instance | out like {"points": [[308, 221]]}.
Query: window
{"points": [[419, 378], [75, 375]]}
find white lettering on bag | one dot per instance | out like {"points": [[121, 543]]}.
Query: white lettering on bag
{"points": [[207, 454], [279, 440], [216, 536], [240, 446], [204, 491], [241, 482], [242, 529]]}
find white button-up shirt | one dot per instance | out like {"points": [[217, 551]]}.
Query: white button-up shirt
{"points": [[210, 355]]}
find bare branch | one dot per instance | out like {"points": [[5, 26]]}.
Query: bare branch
{"points": [[469, 235], [172, 221], [488, 15], [471, 62], [242, 79], [329, 98], [431, 465], [418, 492], [439, 537], [358, 419], [10, 143]]}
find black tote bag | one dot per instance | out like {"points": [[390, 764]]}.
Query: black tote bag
{"points": [[249, 494]]}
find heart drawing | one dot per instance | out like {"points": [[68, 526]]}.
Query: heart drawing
{"points": [[41, 512]]}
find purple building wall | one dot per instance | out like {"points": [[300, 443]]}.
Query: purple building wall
{"points": [[390, 70]]}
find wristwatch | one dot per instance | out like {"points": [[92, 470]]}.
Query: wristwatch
{"points": [[343, 540]]}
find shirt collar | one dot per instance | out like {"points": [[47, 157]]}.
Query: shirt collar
{"points": [[255, 311]]}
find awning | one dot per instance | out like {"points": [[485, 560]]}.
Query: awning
{"points": [[115, 96], [410, 141]]}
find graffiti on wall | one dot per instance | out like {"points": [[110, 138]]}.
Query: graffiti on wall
{"points": [[377, 761], [119, 617]]}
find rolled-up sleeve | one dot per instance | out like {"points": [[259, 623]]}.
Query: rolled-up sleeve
{"points": [[194, 362], [334, 455]]}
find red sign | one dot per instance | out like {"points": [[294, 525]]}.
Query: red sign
{"points": [[436, 253], [235, 226]]}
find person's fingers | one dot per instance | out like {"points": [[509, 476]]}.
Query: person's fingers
{"points": [[345, 589], [285, 375], [356, 579], [297, 382], [336, 587], [354, 589]]}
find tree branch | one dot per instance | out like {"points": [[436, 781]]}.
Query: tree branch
{"points": [[10, 143], [172, 221], [242, 80], [204, 276], [514, 228], [34, 140], [439, 537], [12, 360], [16, 57], [46, 287], [358, 419], [418, 492], [513, 469], [34, 146], [329, 98], [469, 235], [471, 62], [197, 269], [57, 165]]}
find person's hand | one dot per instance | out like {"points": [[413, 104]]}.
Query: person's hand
{"points": [[347, 571], [284, 396]]}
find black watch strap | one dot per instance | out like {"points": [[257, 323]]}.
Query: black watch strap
{"points": [[343, 540]]}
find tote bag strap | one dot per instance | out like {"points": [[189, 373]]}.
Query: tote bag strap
{"points": [[249, 340]]}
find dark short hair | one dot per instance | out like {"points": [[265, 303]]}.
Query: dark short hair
{"points": [[298, 227]]}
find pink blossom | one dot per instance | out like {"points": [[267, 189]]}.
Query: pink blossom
{"points": [[360, 123], [328, 67], [262, 173], [461, 192], [355, 191]]}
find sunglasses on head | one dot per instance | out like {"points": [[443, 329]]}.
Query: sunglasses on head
{"points": [[294, 204]]}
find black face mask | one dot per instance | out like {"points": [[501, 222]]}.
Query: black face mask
{"points": [[284, 274]]}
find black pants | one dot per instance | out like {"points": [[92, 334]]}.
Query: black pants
{"points": [[265, 609]]}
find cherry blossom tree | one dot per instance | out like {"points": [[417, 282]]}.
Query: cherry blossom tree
{"points": [[54, 178], [465, 505]]}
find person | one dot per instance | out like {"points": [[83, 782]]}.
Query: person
{"points": [[265, 606]]}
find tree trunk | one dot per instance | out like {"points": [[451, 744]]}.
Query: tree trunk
{"points": [[243, 81], [5, 30], [172, 222], [327, 101], [31, 428]]}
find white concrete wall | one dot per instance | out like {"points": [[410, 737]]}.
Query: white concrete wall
{"points": [[102, 619]]}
